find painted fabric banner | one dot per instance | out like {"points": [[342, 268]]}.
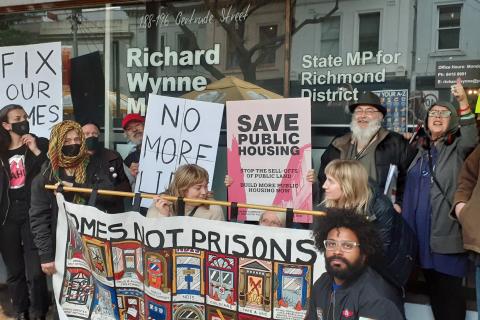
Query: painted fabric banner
{"points": [[177, 131], [126, 266], [269, 154], [31, 76]]}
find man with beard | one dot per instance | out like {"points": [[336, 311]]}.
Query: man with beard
{"points": [[350, 289], [375, 147], [110, 164], [133, 125]]}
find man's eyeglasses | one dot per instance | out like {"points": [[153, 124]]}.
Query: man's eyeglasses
{"points": [[367, 112], [345, 246], [439, 114]]}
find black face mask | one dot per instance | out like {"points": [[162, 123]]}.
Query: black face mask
{"points": [[92, 143], [21, 128], [71, 150]]}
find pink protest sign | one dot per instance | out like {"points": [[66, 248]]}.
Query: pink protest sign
{"points": [[269, 154]]}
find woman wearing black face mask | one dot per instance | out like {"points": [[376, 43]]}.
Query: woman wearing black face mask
{"points": [[21, 156], [70, 165]]}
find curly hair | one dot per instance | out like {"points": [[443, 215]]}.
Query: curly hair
{"points": [[365, 231]]}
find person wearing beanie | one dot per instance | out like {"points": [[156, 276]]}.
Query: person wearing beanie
{"points": [[374, 146], [451, 134], [69, 164], [133, 125]]}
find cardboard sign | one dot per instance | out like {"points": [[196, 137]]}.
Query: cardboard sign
{"points": [[269, 154], [125, 265], [31, 76], [177, 131]]}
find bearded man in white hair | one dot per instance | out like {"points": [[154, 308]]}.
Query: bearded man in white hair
{"points": [[374, 146]]}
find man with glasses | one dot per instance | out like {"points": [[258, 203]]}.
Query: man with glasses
{"points": [[350, 289], [133, 125], [374, 146]]}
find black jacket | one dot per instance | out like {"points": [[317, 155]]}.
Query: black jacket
{"points": [[44, 210], [110, 163], [32, 168], [398, 240], [368, 296], [392, 149]]}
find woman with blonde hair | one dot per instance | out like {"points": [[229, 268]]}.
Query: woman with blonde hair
{"points": [[347, 187], [189, 181]]}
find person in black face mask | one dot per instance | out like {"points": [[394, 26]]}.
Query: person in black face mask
{"points": [[21, 155], [70, 165], [110, 164]]}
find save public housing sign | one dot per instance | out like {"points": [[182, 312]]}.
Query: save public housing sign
{"points": [[126, 266]]}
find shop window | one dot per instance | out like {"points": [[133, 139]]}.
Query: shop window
{"points": [[449, 27], [183, 43], [266, 33], [330, 37], [369, 31], [233, 60]]}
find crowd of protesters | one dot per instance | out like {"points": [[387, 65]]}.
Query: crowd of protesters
{"points": [[370, 241]]}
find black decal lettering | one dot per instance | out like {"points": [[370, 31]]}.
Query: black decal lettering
{"points": [[276, 248], [201, 156], [256, 242], [158, 240], [291, 123], [52, 111], [117, 228], [307, 246], [139, 233], [174, 233], [101, 230], [87, 226], [198, 237], [213, 239], [239, 239]]}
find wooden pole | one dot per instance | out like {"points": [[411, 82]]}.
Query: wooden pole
{"points": [[186, 200]]}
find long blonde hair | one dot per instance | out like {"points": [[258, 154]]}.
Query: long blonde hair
{"points": [[353, 180]]}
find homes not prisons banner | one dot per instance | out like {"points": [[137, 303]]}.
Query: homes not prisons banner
{"points": [[177, 131], [126, 266], [269, 154], [31, 76]]}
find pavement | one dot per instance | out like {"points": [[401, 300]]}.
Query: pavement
{"points": [[6, 312]]}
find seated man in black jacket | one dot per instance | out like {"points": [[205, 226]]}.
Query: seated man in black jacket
{"points": [[350, 289]]}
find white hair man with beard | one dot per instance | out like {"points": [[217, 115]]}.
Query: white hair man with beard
{"points": [[372, 145], [133, 125]]}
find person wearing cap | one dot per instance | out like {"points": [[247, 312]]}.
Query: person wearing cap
{"points": [[451, 134], [133, 125], [110, 164], [374, 146]]}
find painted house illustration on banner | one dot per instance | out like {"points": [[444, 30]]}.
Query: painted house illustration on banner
{"points": [[158, 274], [255, 286], [221, 280], [131, 305], [291, 290], [99, 254], [188, 275], [127, 261]]}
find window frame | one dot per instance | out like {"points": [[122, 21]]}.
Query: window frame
{"points": [[436, 26], [356, 35]]}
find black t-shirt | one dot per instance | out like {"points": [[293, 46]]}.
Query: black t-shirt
{"points": [[18, 176], [65, 177]]}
